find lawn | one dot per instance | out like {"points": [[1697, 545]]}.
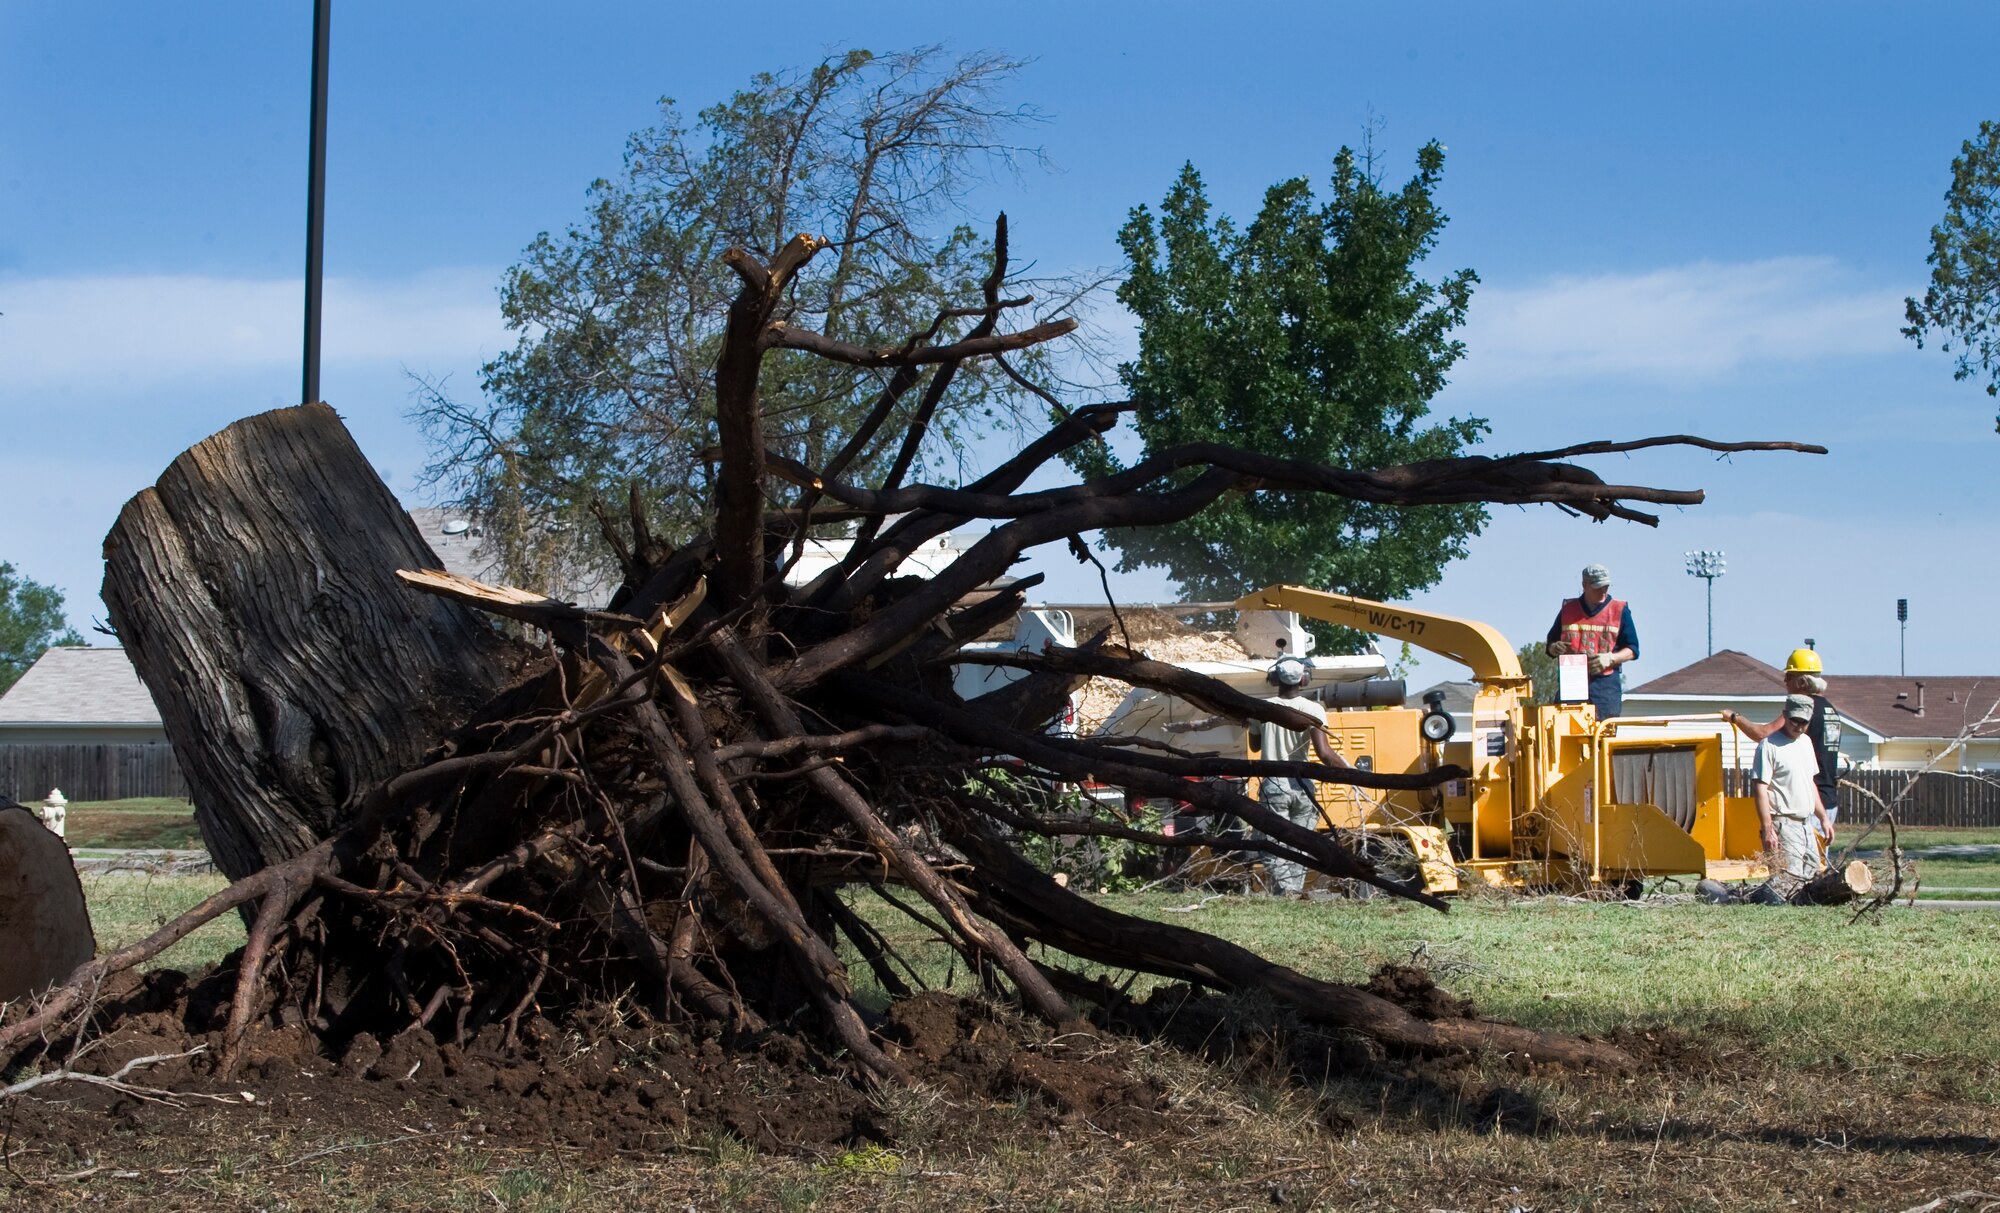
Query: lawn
{"points": [[1821, 1064], [1808, 985], [147, 823], [1904, 986], [1941, 874], [128, 905]]}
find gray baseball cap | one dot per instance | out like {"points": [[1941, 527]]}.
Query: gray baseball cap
{"points": [[1290, 672], [1798, 707], [1596, 574]]}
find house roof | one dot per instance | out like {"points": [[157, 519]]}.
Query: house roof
{"points": [[458, 540], [1725, 673], [1896, 706], [1889, 705], [1458, 696], [82, 686]]}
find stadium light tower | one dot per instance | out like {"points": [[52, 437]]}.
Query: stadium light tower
{"points": [[1903, 636], [1708, 566]]}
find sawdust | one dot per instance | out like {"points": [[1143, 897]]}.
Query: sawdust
{"points": [[1161, 636]]}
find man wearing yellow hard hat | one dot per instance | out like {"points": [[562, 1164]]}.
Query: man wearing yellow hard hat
{"points": [[1804, 675]]}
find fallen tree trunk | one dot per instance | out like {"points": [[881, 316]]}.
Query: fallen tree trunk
{"points": [[667, 804]]}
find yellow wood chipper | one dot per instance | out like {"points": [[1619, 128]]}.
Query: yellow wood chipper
{"points": [[1555, 797]]}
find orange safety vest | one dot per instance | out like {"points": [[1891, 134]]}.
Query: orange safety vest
{"points": [[1588, 634]]}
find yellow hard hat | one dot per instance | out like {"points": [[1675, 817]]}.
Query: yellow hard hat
{"points": [[1803, 661]]}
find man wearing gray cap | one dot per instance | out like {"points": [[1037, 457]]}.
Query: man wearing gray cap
{"points": [[1287, 795], [1599, 627], [1783, 778]]}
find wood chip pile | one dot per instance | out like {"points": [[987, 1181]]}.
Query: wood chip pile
{"points": [[1163, 637]]}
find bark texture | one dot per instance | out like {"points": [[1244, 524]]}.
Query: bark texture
{"points": [[254, 589], [1836, 886]]}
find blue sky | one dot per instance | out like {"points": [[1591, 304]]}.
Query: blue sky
{"points": [[1687, 218]]}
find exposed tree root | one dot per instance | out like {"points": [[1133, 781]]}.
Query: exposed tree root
{"points": [[662, 801]]}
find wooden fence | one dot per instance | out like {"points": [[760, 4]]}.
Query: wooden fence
{"points": [[90, 772], [1918, 798]]}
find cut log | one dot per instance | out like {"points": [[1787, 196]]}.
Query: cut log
{"points": [[1836, 886], [254, 589], [42, 916]]}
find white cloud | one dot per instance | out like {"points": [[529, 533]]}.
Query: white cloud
{"points": [[82, 330], [1692, 323]]}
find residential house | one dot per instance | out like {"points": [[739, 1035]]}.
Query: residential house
{"points": [[80, 720], [75, 695], [1890, 722]]}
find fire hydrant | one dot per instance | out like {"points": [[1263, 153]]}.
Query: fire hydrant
{"points": [[55, 812]]}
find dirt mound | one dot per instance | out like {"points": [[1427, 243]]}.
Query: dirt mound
{"points": [[610, 1080], [1412, 989], [1703, 1049], [973, 1048]]}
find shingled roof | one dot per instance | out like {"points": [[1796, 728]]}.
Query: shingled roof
{"points": [[1931, 706], [79, 686], [1888, 705], [1726, 673]]}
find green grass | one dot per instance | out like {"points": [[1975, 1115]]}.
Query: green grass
{"points": [[1958, 877], [125, 907], [1872, 1085], [1945, 877], [143, 823], [1919, 837], [1802, 984]]}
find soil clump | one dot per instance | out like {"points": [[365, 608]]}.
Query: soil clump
{"points": [[611, 1080]]}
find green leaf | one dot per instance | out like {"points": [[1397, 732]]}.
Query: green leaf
{"points": [[31, 621], [1309, 333]]}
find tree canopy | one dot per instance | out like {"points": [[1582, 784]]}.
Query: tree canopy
{"points": [[1963, 301], [31, 620], [1309, 333], [621, 316], [1540, 669]]}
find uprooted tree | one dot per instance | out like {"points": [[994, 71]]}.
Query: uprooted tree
{"points": [[430, 823]]}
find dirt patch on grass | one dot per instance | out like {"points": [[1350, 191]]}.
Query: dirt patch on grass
{"points": [[1196, 1102], [611, 1081], [127, 829], [1414, 990]]}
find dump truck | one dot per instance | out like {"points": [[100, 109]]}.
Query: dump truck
{"points": [[1554, 798]]}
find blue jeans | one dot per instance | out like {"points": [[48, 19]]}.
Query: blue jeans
{"points": [[1607, 695]]}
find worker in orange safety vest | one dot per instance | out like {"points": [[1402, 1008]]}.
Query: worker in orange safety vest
{"points": [[1597, 626]]}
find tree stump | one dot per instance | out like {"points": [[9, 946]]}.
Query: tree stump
{"points": [[254, 589], [42, 916]]}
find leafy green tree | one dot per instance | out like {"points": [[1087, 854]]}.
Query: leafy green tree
{"points": [[1540, 669], [1308, 334], [31, 619], [1963, 302], [620, 317]]}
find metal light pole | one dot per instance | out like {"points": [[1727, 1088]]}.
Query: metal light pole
{"points": [[1902, 635], [1708, 566], [316, 198]]}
